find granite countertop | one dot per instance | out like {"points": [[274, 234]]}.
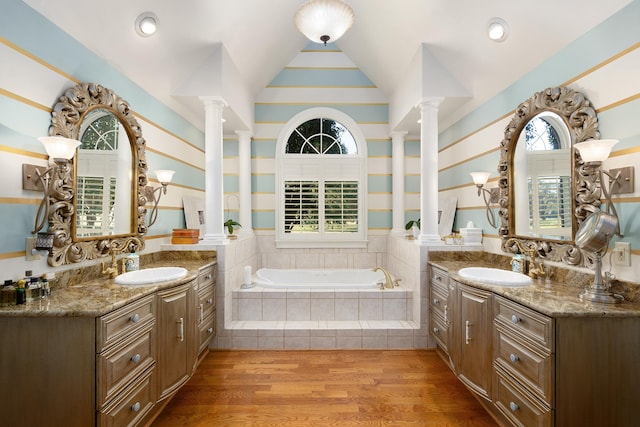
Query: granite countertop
{"points": [[96, 296], [553, 298]]}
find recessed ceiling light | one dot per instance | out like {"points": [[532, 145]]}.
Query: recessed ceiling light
{"points": [[497, 29], [146, 24]]}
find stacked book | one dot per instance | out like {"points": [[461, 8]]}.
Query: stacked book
{"points": [[185, 236]]}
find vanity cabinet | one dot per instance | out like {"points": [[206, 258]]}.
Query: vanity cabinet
{"points": [[439, 309], [206, 309], [472, 338]]}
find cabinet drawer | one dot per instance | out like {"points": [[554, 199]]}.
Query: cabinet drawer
{"points": [[526, 321], [118, 366], [124, 321], [206, 329], [440, 331], [517, 406], [206, 302], [439, 303], [438, 278], [207, 275], [532, 366], [133, 405]]}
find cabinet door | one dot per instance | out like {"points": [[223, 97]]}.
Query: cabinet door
{"points": [[474, 332], [175, 335]]}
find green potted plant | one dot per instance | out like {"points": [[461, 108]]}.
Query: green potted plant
{"points": [[414, 226], [230, 224]]}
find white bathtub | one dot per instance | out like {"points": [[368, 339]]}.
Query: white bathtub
{"points": [[318, 279]]}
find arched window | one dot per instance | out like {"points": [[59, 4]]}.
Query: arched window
{"points": [[321, 181]]}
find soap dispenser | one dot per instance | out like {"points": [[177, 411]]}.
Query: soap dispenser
{"points": [[132, 261]]}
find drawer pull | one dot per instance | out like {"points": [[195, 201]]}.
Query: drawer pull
{"points": [[446, 313], [210, 330], [210, 301], [436, 301], [436, 330], [513, 406], [180, 323], [135, 318], [135, 407], [515, 319], [467, 332], [136, 358], [201, 313], [513, 358]]}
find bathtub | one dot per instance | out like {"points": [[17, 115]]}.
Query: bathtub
{"points": [[318, 279]]}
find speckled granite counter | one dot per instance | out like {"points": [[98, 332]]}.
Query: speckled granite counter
{"points": [[86, 292], [557, 298]]}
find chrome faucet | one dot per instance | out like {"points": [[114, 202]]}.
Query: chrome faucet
{"points": [[535, 269], [113, 270], [388, 283]]}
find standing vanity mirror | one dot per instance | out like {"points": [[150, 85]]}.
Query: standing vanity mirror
{"points": [[105, 209], [545, 192]]}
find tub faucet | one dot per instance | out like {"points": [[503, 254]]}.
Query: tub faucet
{"points": [[388, 283]]}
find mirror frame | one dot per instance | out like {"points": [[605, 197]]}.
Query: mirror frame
{"points": [[581, 119], [66, 118]]}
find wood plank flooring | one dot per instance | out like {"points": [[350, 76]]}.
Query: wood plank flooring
{"points": [[324, 388]]}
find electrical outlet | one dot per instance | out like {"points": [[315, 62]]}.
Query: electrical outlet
{"points": [[30, 252], [622, 254]]}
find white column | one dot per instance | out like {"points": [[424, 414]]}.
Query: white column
{"points": [[214, 189], [429, 171], [244, 163], [397, 169]]}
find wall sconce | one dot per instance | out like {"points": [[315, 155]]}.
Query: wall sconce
{"points": [[489, 196], [619, 181], [54, 178], [164, 177]]}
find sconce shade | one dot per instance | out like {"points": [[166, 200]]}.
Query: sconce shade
{"points": [[480, 178], [164, 175], [59, 147], [324, 20], [595, 150]]}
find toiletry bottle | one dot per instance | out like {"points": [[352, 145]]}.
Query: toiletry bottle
{"points": [[132, 262], [45, 290], [517, 263], [21, 296], [7, 294]]}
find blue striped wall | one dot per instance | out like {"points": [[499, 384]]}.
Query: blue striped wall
{"points": [[39, 62], [603, 64]]}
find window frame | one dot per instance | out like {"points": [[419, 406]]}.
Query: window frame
{"points": [[329, 167]]}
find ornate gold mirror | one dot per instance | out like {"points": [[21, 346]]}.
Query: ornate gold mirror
{"points": [[545, 193], [106, 208]]}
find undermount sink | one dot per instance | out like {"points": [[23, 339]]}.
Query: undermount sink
{"points": [[495, 276], [149, 276]]}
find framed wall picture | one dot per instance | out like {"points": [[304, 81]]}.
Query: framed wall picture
{"points": [[447, 206], [194, 213]]}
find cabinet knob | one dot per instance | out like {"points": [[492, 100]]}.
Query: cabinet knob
{"points": [[513, 406], [210, 301], [136, 358], [208, 276], [438, 278], [135, 318], [436, 301], [515, 319], [210, 330], [135, 407], [436, 330], [513, 358]]}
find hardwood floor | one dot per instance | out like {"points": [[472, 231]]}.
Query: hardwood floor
{"points": [[324, 388]]}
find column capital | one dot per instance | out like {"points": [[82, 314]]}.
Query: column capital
{"points": [[399, 133], [245, 133], [214, 100], [430, 102]]}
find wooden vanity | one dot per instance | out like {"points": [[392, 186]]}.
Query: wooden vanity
{"points": [[117, 361], [537, 356]]}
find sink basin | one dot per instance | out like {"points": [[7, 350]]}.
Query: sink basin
{"points": [[495, 276], [149, 276]]}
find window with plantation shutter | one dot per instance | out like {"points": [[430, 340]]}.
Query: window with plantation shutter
{"points": [[321, 178], [94, 213], [550, 207]]}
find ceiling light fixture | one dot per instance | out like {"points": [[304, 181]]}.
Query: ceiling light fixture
{"points": [[324, 21], [146, 24], [497, 29]]}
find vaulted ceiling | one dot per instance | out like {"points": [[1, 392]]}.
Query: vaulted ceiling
{"points": [[261, 39]]}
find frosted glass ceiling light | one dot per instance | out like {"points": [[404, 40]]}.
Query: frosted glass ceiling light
{"points": [[146, 24], [497, 29], [324, 20]]}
